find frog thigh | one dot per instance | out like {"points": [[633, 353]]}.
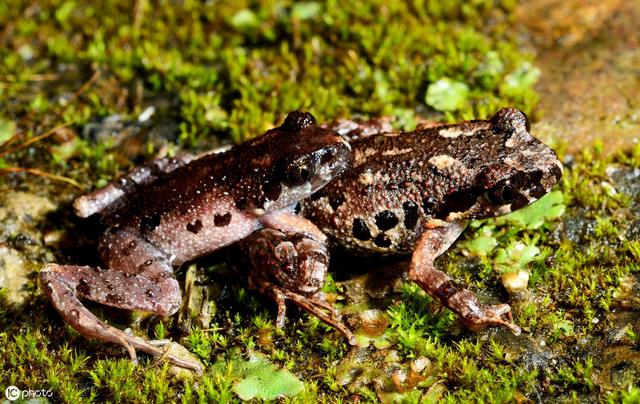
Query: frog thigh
{"points": [[102, 199], [440, 286]]}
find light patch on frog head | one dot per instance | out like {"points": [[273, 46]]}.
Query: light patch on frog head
{"points": [[452, 132], [360, 156], [459, 130], [366, 178], [443, 161]]}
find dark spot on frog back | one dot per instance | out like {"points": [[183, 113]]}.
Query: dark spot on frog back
{"points": [[148, 223], [222, 220], [382, 240], [195, 226], [360, 230], [386, 220], [410, 214], [458, 201], [83, 287], [336, 201]]}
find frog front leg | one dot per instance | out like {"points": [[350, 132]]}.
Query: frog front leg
{"points": [[138, 277], [291, 266], [439, 285]]}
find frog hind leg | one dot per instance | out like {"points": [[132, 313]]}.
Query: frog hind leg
{"points": [[138, 278], [440, 286]]}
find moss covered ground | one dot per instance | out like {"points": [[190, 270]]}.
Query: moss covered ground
{"points": [[224, 72]]}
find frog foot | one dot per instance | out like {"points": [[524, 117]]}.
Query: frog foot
{"points": [[492, 315], [312, 305], [161, 349]]}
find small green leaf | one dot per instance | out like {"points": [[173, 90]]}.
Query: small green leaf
{"points": [[305, 11], [490, 70], [263, 380], [7, 129], [244, 19], [482, 245], [516, 256], [521, 79], [447, 95], [64, 11], [549, 207]]}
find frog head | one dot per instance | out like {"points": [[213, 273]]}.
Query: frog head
{"points": [[526, 168], [301, 158], [504, 169]]}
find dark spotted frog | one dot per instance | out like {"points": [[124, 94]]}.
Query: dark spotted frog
{"points": [[174, 210], [411, 193]]}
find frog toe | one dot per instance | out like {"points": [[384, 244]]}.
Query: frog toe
{"points": [[490, 316]]}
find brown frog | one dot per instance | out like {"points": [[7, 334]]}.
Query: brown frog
{"points": [[173, 211], [413, 193]]}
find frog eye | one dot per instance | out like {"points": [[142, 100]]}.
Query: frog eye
{"points": [[501, 194], [298, 173]]}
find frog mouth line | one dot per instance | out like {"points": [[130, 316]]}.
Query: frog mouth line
{"points": [[483, 209]]}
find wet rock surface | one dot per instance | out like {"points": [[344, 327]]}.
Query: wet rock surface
{"points": [[588, 52], [22, 215]]}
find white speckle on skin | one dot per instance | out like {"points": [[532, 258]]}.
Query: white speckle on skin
{"points": [[395, 151], [443, 161]]}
